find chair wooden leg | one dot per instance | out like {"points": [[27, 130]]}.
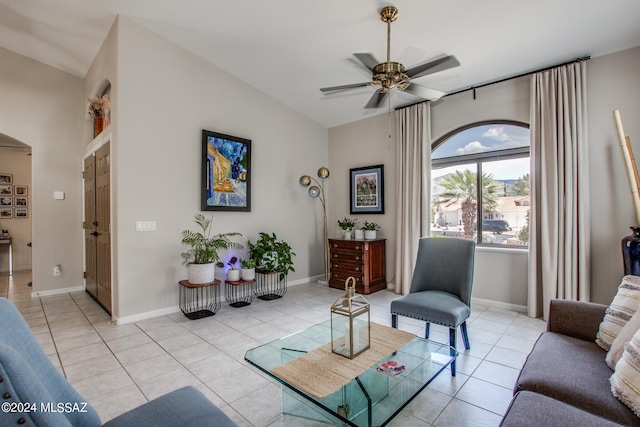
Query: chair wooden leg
{"points": [[394, 321], [426, 330], [465, 336], [452, 344]]}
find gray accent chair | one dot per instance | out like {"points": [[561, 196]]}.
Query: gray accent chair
{"points": [[35, 393], [440, 288]]}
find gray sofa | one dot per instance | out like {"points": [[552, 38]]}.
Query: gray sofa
{"points": [[565, 379]]}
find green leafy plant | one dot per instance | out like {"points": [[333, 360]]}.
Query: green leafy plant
{"points": [[347, 224], [271, 254], [370, 226], [248, 263], [204, 247]]}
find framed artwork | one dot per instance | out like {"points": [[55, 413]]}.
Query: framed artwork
{"points": [[6, 201], [6, 190], [367, 190], [226, 173], [20, 201], [6, 213], [21, 212], [20, 190], [6, 178]]}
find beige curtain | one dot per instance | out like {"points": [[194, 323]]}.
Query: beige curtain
{"points": [[413, 170], [559, 249]]}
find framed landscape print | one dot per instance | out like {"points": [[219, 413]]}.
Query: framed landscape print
{"points": [[367, 190], [226, 173]]}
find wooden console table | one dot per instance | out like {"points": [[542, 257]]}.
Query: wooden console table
{"points": [[361, 259]]}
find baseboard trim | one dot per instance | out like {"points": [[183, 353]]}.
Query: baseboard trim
{"points": [[498, 304], [57, 291], [146, 315]]}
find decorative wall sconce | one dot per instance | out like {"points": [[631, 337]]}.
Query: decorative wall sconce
{"points": [[317, 190]]}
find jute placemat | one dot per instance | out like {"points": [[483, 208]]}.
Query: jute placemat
{"points": [[321, 372]]}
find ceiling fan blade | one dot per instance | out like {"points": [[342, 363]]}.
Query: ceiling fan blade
{"points": [[344, 87], [367, 59], [432, 67], [425, 92], [377, 99]]}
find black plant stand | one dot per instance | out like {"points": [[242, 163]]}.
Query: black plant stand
{"points": [[199, 301], [269, 286], [240, 293]]}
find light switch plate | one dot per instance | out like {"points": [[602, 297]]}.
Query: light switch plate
{"points": [[58, 195], [145, 226]]}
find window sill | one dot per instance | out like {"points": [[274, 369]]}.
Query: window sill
{"points": [[502, 249]]}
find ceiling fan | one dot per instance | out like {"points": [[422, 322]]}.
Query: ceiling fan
{"points": [[389, 74]]}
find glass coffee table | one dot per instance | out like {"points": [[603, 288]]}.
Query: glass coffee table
{"points": [[373, 398]]}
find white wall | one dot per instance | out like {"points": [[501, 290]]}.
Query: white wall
{"points": [[165, 97], [613, 83], [43, 107]]}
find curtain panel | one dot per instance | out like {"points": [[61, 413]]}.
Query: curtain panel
{"points": [[559, 248], [413, 180]]}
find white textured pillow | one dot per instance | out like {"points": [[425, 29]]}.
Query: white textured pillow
{"points": [[625, 381], [625, 335], [622, 308]]}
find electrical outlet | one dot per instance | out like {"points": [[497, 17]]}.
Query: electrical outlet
{"points": [[57, 270]]}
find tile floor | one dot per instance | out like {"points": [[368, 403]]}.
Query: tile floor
{"points": [[117, 368]]}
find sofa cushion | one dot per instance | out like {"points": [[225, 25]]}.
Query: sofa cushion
{"points": [[625, 381], [623, 306], [528, 409], [573, 371], [626, 333]]}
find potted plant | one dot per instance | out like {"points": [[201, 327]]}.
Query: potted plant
{"points": [[99, 108], [347, 225], [248, 271], [272, 255], [202, 254], [370, 230], [233, 274]]}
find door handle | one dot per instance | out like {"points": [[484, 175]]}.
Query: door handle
{"points": [[95, 233]]}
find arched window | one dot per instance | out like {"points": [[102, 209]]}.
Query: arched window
{"points": [[480, 180]]}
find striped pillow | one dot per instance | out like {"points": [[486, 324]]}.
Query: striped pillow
{"points": [[623, 306], [625, 381]]}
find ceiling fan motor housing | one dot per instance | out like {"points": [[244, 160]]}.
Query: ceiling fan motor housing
{"points": [[389, 75]]}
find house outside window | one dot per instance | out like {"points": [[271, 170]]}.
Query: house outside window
{"points": [[480, 184]]}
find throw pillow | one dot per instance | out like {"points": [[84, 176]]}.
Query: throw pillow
{"points": [[625, 335], [625, 381], [622, 308]]}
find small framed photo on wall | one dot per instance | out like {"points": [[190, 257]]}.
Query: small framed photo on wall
{"points": [[6, 201], [20, 190], [367, 190], [6, 178], [21, 201], [6, 213], [6, 190], [21, 212]]}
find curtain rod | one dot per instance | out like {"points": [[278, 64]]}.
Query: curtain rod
{"points": [[473, 88]]}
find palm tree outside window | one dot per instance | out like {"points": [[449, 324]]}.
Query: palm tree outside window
{"points": [[480, 184]]}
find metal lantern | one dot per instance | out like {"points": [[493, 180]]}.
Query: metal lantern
{"points": [[350, 322]]}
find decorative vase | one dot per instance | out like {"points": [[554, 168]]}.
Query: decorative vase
{"points": [[233, 275], [370, 234], [198, 274], [99, 123], [631, 252], [347, 234], [248, 274], [360, 234]]}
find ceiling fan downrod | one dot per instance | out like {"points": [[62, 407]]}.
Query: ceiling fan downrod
{"points": [[390, 74]]}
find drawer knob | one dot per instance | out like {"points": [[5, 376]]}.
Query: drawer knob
{"points": [[357, 247], [357, 258], [357, 268], [335, 246]]}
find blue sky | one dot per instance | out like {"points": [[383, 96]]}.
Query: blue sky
{"points": [[480, 139]]}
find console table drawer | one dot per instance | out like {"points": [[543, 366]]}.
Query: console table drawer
{"points": [[363, 260]]}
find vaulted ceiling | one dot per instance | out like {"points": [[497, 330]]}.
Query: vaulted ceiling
{"points": [[288, 49]]}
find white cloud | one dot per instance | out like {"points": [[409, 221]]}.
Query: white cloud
{"points": [[509, 140], [472, 147]]}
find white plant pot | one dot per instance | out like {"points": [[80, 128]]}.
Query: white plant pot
{"points": [[248, 274], [360, 234], [198, 274], [347, 234], [370, 234], [233, 275]]}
